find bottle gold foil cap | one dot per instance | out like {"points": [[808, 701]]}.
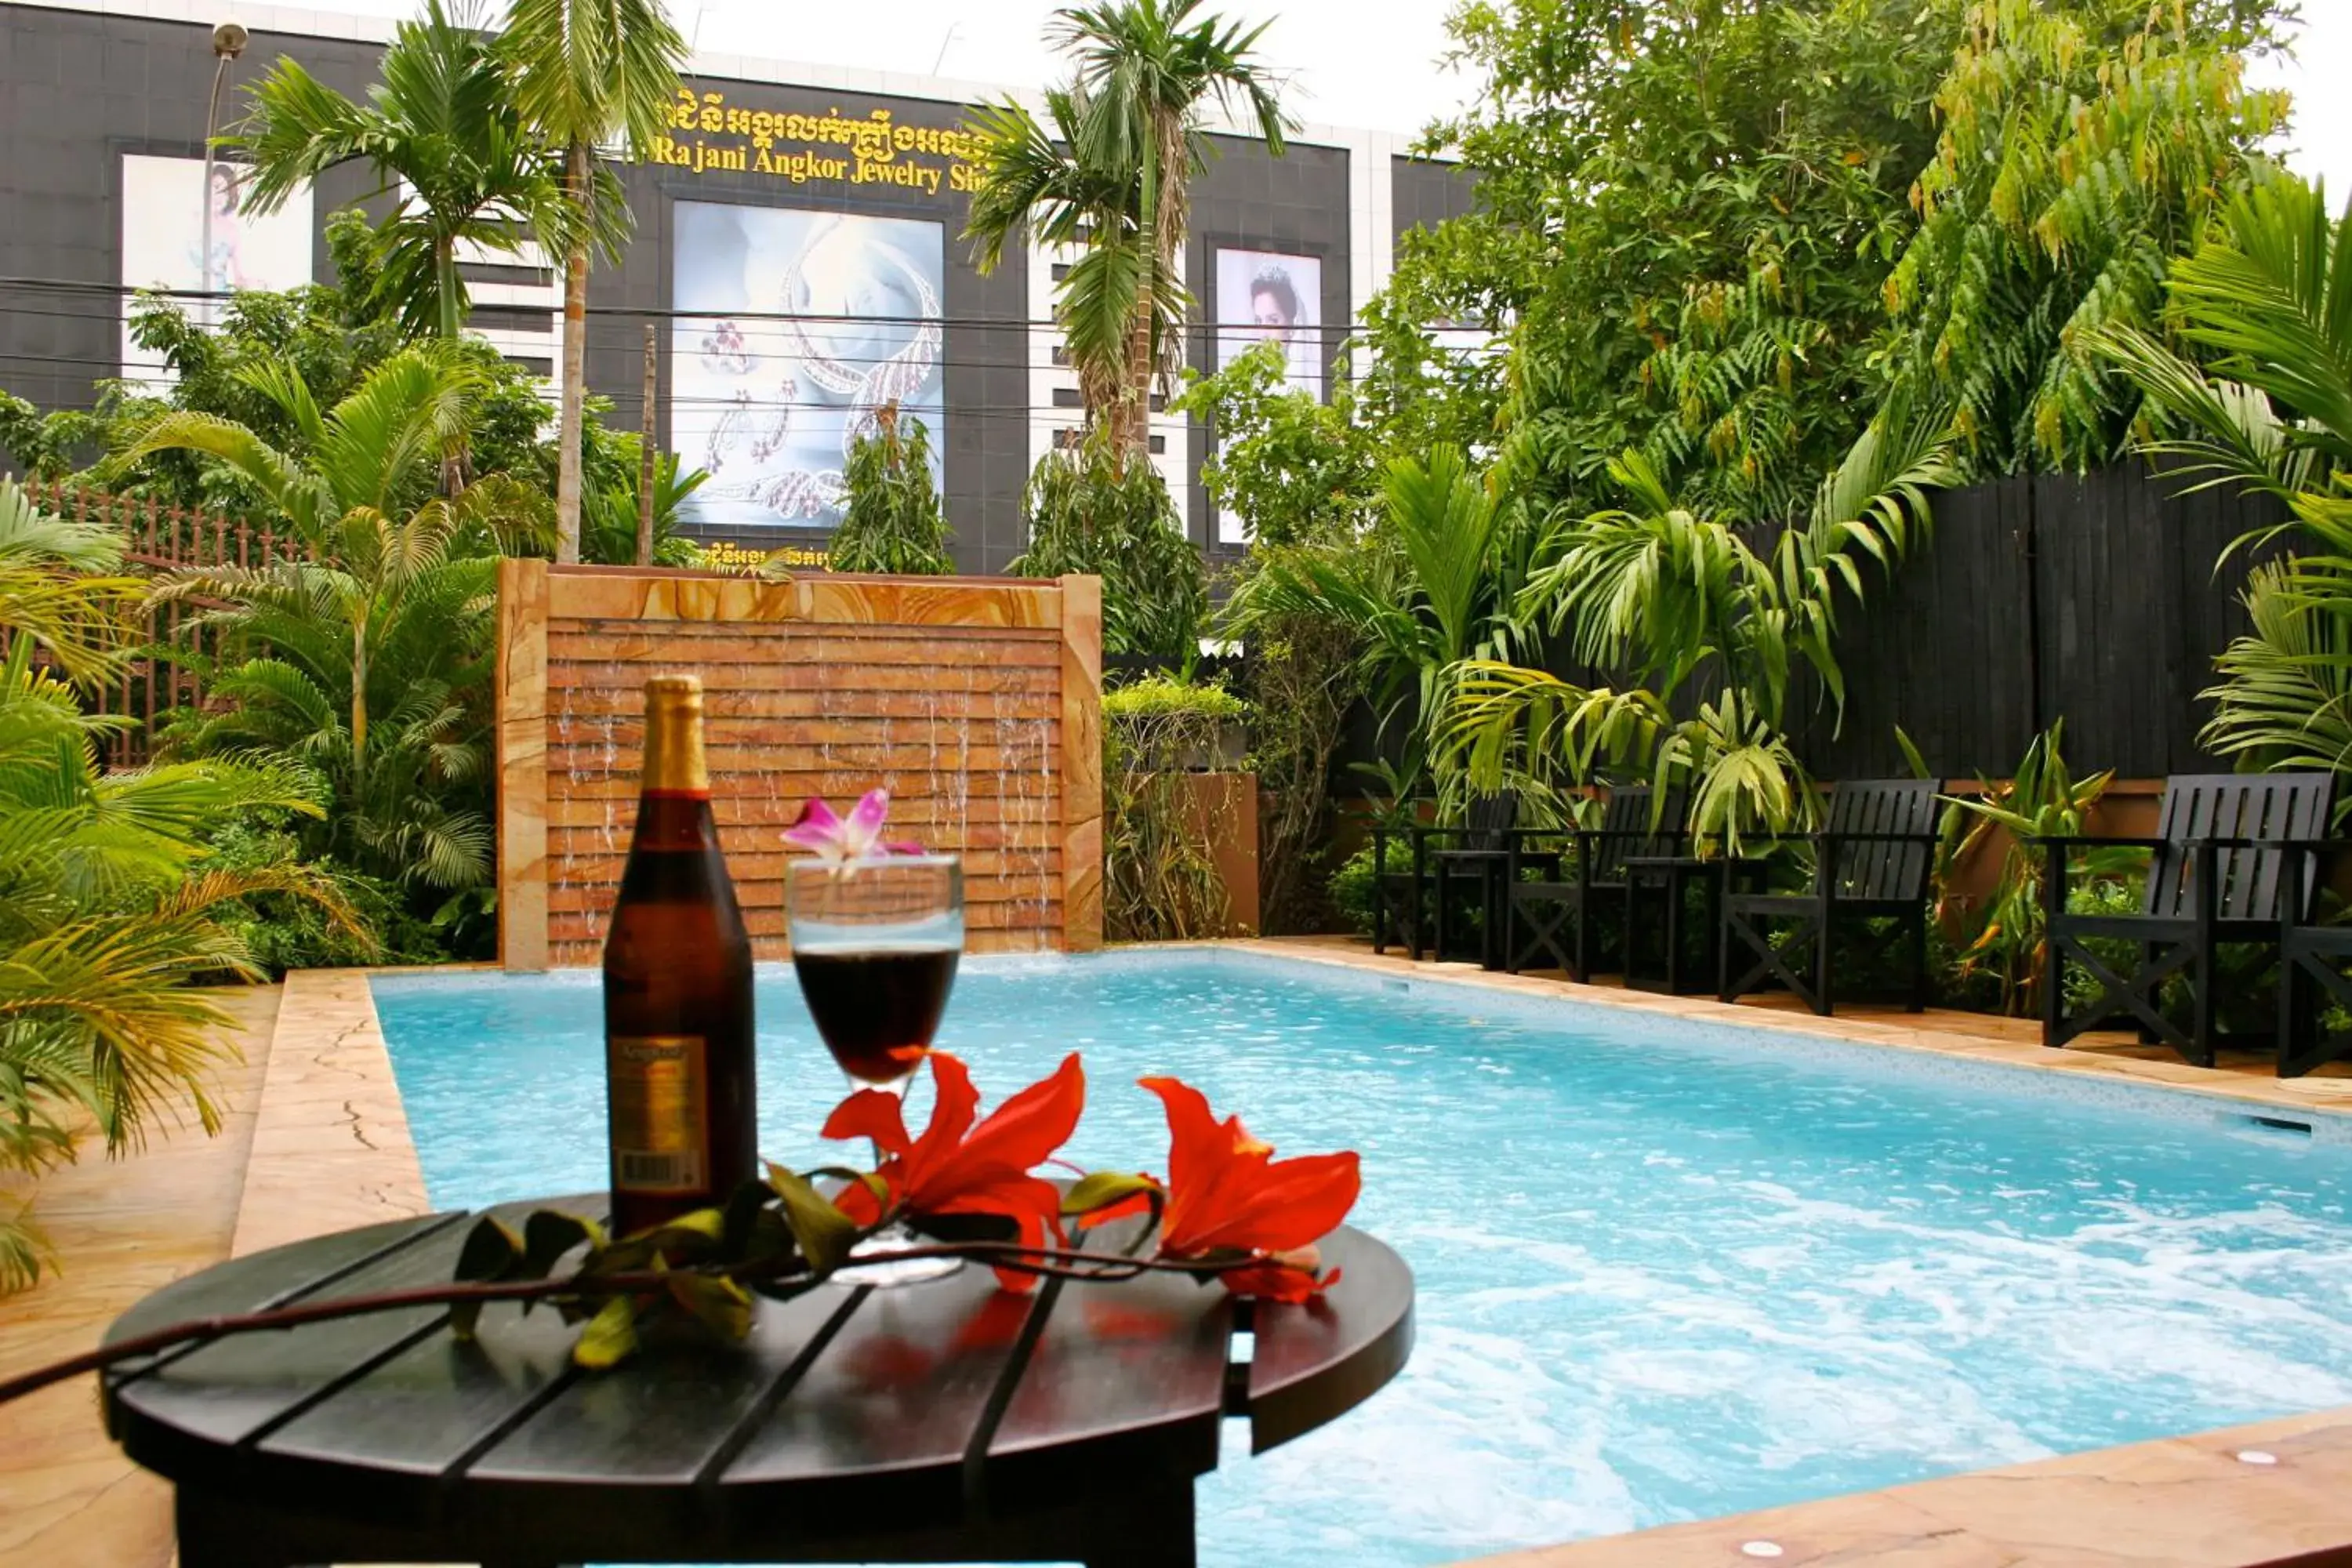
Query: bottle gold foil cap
{"points": [[674, 757]]}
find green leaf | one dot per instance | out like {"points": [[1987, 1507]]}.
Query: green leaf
{"points": [[714, 1300], [611, 1336], [689, 1238], [490, 1253], [549, 1234], [1911, 757], [866, 1179], [1101, 1189], [826, 1234]]}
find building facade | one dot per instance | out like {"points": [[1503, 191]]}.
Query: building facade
{"points": [[797, 252]]}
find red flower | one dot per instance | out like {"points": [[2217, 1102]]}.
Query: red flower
{"points": [[957, 1168], [1227, 1193]]}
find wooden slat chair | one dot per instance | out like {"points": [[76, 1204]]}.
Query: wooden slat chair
{"points": [[2217, 873], [1485, 850], [1871, 861], [2311, 968], [1416, 900], [1552, 918], [1400, 899]]}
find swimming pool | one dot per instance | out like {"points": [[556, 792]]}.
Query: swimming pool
{"points": [[1668, 1270]]}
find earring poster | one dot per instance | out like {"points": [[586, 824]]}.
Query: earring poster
{"points": [[181, 229], [803, 325]]}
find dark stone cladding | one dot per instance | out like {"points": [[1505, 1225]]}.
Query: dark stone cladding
{"points": [[78, 91], [1251, 200], [1424, 192]]}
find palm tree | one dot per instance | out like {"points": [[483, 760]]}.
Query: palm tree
{"points": [[441, 132], [1035, 181], [1147, 68], [104, 912], [365, 664], [588, 73], [1128, 137]]}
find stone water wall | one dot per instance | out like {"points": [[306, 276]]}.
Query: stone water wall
{"points": [[975, 703]]}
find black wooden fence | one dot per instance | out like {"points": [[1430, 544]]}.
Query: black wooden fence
{"points": [[2094, 598]]}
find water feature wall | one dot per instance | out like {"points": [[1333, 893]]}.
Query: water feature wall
{"points": [[976, 703]]}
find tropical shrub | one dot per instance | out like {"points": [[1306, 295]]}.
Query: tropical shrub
{"points": [[2266, 305], [1087, 512], [106, 913], [1304, 477], [615, 469], [2004, 940], [1351, 888], [1684, 606], [328, 337], [1160, 873], [893, 522], [1688, 211], [368, 666], [1436, 582], [2083, 146]]}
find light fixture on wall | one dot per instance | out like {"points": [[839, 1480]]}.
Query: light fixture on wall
{"points": [[228, 42]]}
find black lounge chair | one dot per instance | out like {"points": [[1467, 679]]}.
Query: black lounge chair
{"points": [[1485, 849], [1871, 861], [2311, 960], [1542, 914], [2219, 872], [1482, 847]]}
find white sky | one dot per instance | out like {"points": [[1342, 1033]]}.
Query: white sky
{"points": [[1364, 63]]}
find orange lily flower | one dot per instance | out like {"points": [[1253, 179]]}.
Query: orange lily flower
{"points": [[1226, 1194], [958, 1168]]}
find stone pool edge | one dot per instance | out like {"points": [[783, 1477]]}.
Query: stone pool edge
{"points": [[2302, 1094], [332, 1148]]}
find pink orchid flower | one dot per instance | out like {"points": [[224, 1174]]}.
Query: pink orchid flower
{"points": [[857, 837]]}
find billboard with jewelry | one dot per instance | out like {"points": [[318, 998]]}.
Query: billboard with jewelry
{"points": [[795, 327]]}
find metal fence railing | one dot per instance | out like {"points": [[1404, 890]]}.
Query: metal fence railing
{"points": [[157, 539]]}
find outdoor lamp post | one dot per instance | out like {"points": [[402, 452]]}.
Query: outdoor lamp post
{"points": [[228, 42]]}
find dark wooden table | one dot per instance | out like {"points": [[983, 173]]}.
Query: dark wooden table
{"points": [[1669, 878], [941, 1422]]}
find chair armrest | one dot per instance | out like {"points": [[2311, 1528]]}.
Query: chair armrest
{"points": [[2309, 845], [2078, 841]]}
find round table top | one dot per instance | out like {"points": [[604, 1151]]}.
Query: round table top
{"points": [[923, 1400]]}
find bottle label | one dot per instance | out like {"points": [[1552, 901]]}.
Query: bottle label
{"points": [[660, 1090]]}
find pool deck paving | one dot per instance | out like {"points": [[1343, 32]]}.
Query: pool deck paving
{"points": [[315, 1141], [122, 1228]]}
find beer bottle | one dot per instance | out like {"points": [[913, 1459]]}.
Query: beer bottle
{"points": [[679, 1074]]}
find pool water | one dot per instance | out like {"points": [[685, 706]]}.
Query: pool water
{"points": [[1667, 1270]]}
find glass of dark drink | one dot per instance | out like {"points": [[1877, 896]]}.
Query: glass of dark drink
{"points": [[874, 945]]}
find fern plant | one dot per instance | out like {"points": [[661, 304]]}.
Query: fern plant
{"points": [[893, 522]]}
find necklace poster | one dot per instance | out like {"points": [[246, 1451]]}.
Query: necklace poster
{"points": [[805, 323]]}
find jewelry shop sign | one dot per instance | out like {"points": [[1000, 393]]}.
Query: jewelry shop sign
{"points": [[708, 134]]}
